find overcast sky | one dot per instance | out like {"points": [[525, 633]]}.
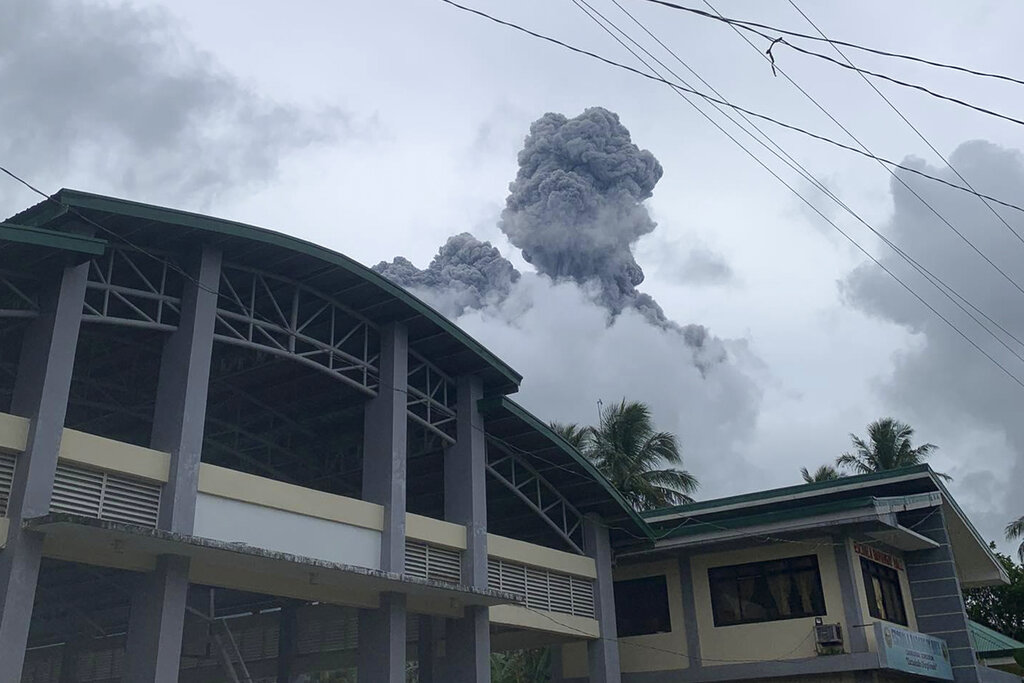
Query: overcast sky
{"points": [[381, 129]]}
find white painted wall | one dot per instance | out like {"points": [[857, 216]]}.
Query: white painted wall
{"points": [[233, 521]]}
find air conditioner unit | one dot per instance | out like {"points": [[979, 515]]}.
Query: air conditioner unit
{"points": [[828, 634]]}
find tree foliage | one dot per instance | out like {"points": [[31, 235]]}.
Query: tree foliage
{"points": [[628, 451], [823, 473], [889, 446], [1015, 530], [1000, 607], [521, 666]]}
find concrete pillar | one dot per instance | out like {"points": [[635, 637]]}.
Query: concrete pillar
{"points": [[468, 640], [382, 641], [935, 589], [602, 653], [690, 623], [557, 667], [856, 638], [385, 434], [158, 603], [465, 481], [41, 394], [180, 413], [153, 648], [429, 663], [287, 625]]}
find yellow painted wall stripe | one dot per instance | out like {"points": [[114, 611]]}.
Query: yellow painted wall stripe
{"points": [[539, 556], [117, 456], [430, 530], [249, 488], [13, 433]]}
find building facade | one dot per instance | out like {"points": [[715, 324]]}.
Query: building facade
{"points": [[858, 579], [231, 455]]}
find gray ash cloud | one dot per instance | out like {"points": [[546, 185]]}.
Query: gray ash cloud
{"points": [[575, 208], [576, 211], [465, 273]]}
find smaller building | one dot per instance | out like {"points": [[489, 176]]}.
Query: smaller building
{"points": [[995, 649], [855, 579]]}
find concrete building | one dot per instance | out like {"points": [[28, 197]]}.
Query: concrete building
{"points": [[857, 579], [231, 455]]}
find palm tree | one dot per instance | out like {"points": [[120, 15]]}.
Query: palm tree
{"points": [[627, 450], [1015, 530], [629, 453], [888, 447], [823, 473], [576, 436]]}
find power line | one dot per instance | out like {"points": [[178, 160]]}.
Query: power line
{"points": [[912, 126], [800, 169], [934, 280], [875, 260], [705, 96], [748, 25], [895, 175], [896, 81]]}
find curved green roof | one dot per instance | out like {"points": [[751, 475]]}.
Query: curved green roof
{"points": [[147, 225]]}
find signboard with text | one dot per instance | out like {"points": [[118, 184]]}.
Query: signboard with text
{"points": [[879, 556], [913, 652]]}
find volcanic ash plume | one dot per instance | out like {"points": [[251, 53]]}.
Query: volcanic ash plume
{"points": [[465, 273], [575, 206]]}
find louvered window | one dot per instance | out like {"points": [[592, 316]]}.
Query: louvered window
{"points": [[105, 495], [542, 588], [427, 561], [6, 480]]}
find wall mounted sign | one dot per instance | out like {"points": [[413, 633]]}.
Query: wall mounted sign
{"points": [[912, 652], [879, 556]]}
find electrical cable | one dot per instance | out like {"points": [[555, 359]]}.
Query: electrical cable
{"points": [[764, 117], [896, 81], [747, 25], [895, 175], [833, 224], [943, 288], [911, 125]]}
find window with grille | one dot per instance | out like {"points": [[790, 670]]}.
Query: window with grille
{"points": [[105, 495], [542, 588], [427, 561], [885, 596], [641, 606], [766, 591]]}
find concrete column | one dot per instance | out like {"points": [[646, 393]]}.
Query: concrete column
{"points": [[180, 413], [690, 623], [385, 432], [41, 394], [935, 590], [856, 638], [153, 648], [287, 625], [557, 667], [158, 602], [430, 630], [382, 641], [468, 640], [603, 653]]}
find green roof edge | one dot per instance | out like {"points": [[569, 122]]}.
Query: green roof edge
{"points": [[735, 523], [28, 234], [86, 200], [991, 635], [785, 490], [503, 402]]}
